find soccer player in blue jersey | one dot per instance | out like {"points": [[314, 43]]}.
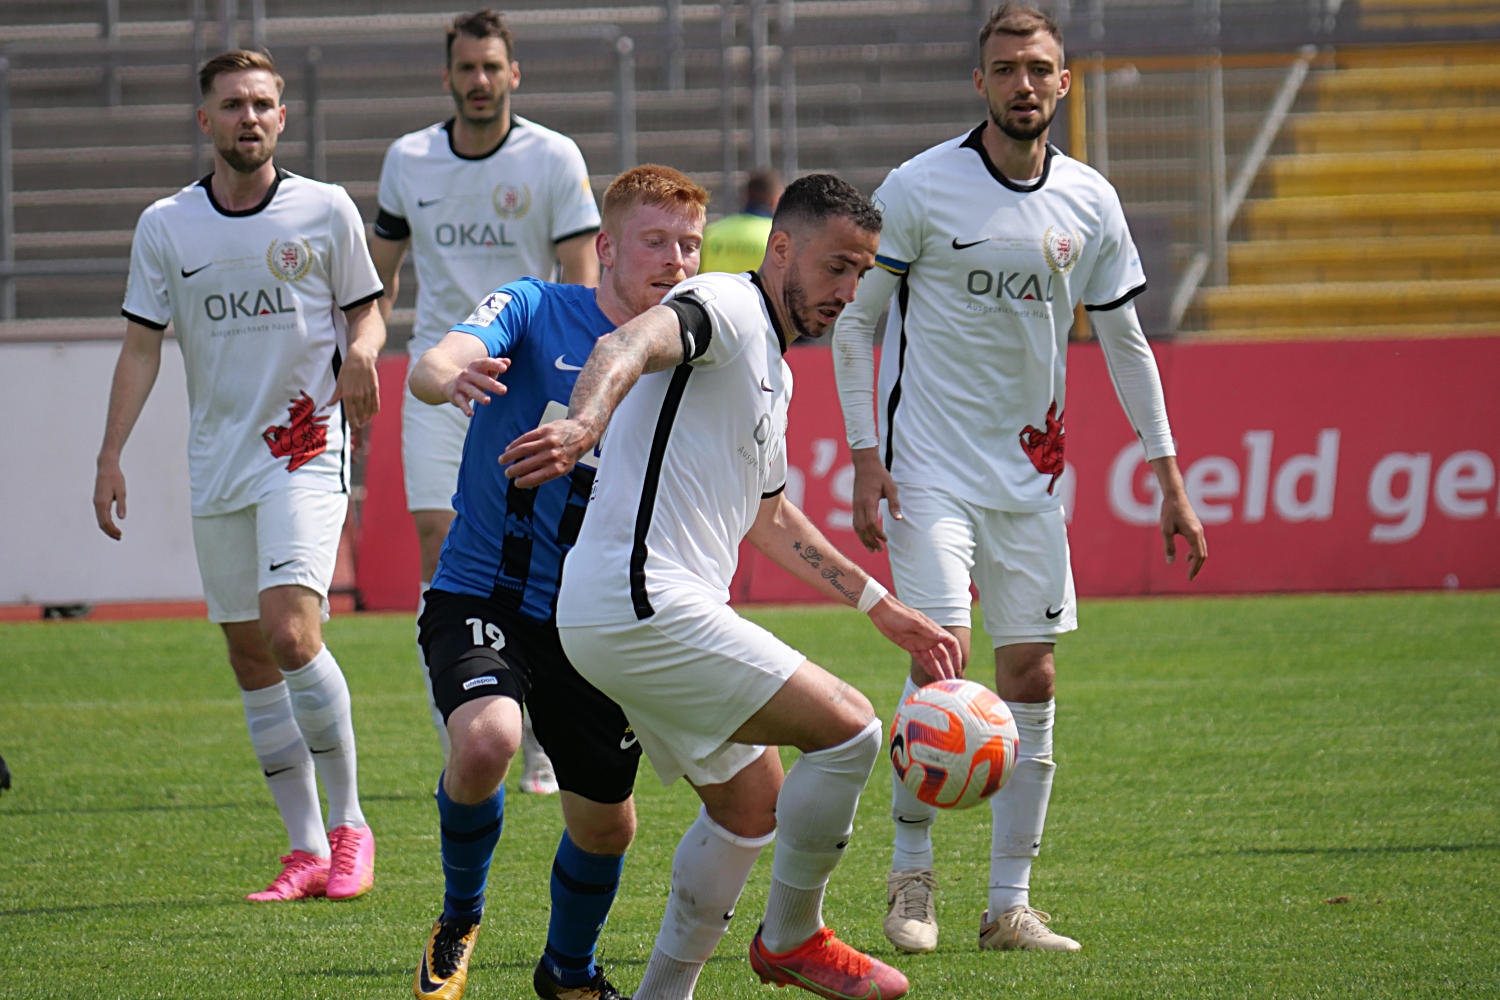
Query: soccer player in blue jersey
{"points": [[488, 629]]}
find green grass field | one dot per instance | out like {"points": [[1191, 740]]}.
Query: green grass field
{"points": [[1271, 797]]}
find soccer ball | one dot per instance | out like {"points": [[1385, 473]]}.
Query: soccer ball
{"points": [[953, 744]]}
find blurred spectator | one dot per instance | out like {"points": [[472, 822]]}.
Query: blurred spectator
{"points": [[738, 242]]}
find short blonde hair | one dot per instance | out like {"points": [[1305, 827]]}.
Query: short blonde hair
{"points": [[237, 61], [650, 184]]}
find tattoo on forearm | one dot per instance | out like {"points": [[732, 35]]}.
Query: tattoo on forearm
{"points": [[835, 577]]}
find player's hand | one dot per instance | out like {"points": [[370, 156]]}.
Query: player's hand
{"points": [[1178, 518], [109, 497], [359, 386], [932, 647], [546, 453], [477, 384], [872, 483]]}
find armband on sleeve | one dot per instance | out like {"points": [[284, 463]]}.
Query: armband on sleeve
{"points": [[391, 227], [694, 325]]}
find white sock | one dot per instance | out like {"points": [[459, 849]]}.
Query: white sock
{"points": [[1019, 810], [437, 716], [287, 765], [320, 702], [912, 818], [815, 817], [709, 872]]}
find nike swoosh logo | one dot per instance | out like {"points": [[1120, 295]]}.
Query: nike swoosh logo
{"points": [[324, 750], [188, 274], [1054, 614], [424, 978], [563, 366], [272, 774], [765, 386], [964, 246], [276, 566], [424, 202], [626, 742]]}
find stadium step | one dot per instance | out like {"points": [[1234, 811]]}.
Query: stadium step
{"points": [[1393, 129], [1395, 14], [1414, 258], [1454, 214], [1318, 174], [1416, 54], [1378, 88], [1393, 330], [1369, 304]]}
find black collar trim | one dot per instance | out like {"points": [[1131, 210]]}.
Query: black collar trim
{"points": [[208, 188], [975, 141], [509, 130], [770, 310]]}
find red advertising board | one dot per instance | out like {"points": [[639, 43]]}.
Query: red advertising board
{"points": [[1349, 465]]}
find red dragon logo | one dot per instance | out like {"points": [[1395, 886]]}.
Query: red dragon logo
{"points": [[1045, 448], [303, 439]]}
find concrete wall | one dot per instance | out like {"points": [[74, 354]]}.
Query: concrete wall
{"points": [[51, 419]]}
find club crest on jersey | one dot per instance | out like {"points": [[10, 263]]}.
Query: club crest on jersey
{"points": [[484, 314], [289, 259], [1062, 249], [511, 201]]}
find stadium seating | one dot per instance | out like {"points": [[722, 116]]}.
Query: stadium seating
{"points": [[1382, 212], [100, 128], [84, 167]]}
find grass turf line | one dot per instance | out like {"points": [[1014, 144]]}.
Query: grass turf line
{"points": [[1264, 797]]}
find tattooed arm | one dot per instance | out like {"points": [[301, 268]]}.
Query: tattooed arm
{"points": [[651, 342], [793, 542]]}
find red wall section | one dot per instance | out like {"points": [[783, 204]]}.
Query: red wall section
{"points": [[388, 566], [1314, 465]]}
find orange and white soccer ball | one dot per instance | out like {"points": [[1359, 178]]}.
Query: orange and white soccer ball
{"points": [[953, 743]]}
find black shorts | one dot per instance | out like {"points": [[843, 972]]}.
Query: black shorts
{"points": [[476, 648]]}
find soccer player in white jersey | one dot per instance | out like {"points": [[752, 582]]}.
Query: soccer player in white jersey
{"points": [[990, 240], [696, 462], [267, 282], [481, 199]]}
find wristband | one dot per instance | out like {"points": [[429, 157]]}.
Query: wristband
{"points": [[871, 595]]}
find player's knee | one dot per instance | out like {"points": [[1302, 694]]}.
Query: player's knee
{"points": [[1025, 672], [604, 832], [482, 750], [291, 643], [857, 753]]}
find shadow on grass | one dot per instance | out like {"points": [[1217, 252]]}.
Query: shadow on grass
{"points": [[124, 907], [481, 967], [185, 807], [1334, 851]]}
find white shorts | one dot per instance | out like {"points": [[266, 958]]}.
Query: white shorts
{"points": [[289, 538], [432, 445], [687, 678], [1018, 562]]}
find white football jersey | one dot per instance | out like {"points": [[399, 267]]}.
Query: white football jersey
{"points": [[690, 454], [256, 298], [972, 390], [478, 223]]}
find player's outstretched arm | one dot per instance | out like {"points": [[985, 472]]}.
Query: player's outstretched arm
{"points": [[359, 376], [786, 535], [1178, 516], [135, 374], [459, 370], [650, 342]]}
